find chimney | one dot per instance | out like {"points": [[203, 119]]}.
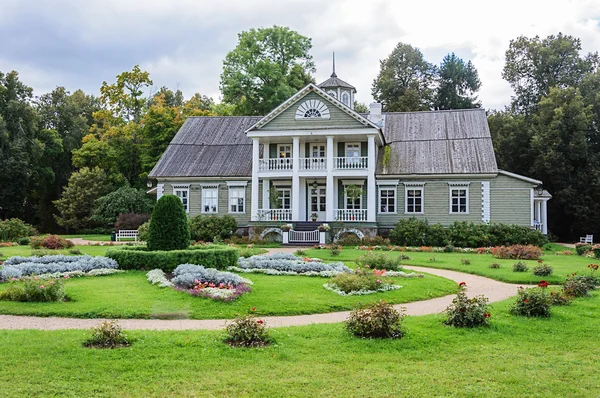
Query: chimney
{"points": [[375, 114]]}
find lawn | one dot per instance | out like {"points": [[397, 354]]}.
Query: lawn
{"points": [[93, 237], [6, 252], [514, 357], [129, 295], [479, 265]]}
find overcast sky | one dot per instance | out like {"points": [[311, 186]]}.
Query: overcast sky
{"points": [[79, 44]]}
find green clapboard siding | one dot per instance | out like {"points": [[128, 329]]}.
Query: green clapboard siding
{"points": [[287, 121], [510, 200]]}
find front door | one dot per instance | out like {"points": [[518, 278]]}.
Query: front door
{"points": [[316, 203]]}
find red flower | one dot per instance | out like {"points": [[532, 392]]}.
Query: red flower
{"points": [[539, 261], [487, 315], [526, 300], [253, 308], [543, 284], [260, 321], [462, 284]]}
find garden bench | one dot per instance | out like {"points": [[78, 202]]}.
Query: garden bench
{"points": [[587, 239], [127, 234]]}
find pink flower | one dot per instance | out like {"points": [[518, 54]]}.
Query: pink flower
{"points": [[52, 282], [35, 278], [67, 276], [211, 284], [14, 279], [41, 286]]}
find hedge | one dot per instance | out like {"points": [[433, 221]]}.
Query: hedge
{"points": [[140, 258]]}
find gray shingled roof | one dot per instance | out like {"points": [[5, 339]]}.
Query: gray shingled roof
{"points": [[334, 81], [439, 142], [209, 147]]}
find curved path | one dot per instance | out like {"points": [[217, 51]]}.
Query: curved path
{"points": [[493, 290]]}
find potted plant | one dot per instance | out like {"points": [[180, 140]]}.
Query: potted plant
{"points": [[286, 228], [324, 228], [314, 217]]}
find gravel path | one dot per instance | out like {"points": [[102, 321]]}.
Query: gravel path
{"points": [[494, 290]]}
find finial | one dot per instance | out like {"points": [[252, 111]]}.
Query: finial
{"points": [[333, 74]]}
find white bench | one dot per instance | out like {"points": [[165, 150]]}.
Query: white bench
{"points": [[587, 239], [127, 234]]}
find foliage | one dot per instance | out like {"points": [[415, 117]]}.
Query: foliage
{"points": [[334, 250], [207, 228], [24, 241], [559, 298], [533, 302], [520, 266], [284, 262], [51, 242], [35, 290], [458, 82], [353, 191], [379, 261], [577, 286], [169, 228], [518, 252], [376, 320], [124, 200], [582, 248], [188, 275], [74, 206], [360, 107], [267, 67], [139, 258], [495, 265], [596, 250], [247, 331], [225, 293], [12, 229], [465, 261], [405, 80], [361, 281], [17, 267], [247, 252], [467, 312], [158, 277], [107, 334], [409, 232], [131, 221], [143, 231], [542, 270]]}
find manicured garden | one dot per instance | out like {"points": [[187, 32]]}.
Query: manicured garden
{"points": [[514, 356]]}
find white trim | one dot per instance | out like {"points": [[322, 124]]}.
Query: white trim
{"points": [[436, 176], [207, 186], [388, 182], [413, 184], [181, 186], [485, 202], [414, 188], [387, 188], [230, 188], [205, 189], [237, 183], [186, 189], [459, 183], [308, 105], [353, 182], [460, 187], [519, 177], [532, 195], [276, 183], [160, 190]]}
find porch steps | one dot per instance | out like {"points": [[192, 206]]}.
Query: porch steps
{"points": [[305, 226]]}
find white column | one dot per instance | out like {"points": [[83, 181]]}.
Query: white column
{"points": [[266, 203], [255, 161], [329, 196], [545, 217], [296, 179], [538, 215], [371, 188]]}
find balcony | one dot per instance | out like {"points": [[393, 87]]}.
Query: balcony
{"points": [[351, 215], [351, 163], [274, 215], [313, 164]]}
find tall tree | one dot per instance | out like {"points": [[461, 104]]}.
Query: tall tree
{"points": [[457, 84], [405, 81], [534, 65], [267, 67]]}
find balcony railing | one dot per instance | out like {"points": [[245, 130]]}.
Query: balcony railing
{"points": [[274, 215], [275, 164], [313, 164], [351, 163], [351, 215]]}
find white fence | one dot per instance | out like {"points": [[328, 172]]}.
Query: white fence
{"points": [[351, 215], [127, 234], [351, 163], [274, 215], [304, 236], [275, 164]]}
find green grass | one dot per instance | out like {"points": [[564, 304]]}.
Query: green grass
{"points": [[130, 295], [94, 237], [514, 357], [562, 265], [6, 252]]}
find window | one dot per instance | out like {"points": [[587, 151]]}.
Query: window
{"points": [[285, 151], [414, 200], [459, 200], [387, 200], [210, 199], [183, 193], [285, 198], [237, 199], [353, 155], [346, 98], [352, 203], [318, 199], [312, 109], [318, 151], [332, 93]]}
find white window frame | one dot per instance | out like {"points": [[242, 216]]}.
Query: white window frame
{"points": [[238, 189], [205, 189], [332, 93], [186, 189], [360, 199], [281, 198], [414, 187], [345, 94], [458, 187], [352, 144], [318, 146], [388, 188]]}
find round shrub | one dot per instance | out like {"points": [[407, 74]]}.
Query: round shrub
{"points": [[376, 320], [24, 241], [51, 242], [143, 231], [467, 312], [495, 265], [208, 228], [108, 334], [532, 302], [379, 261], [520, 267], [582, 248], [409, 232], [559, 298], [169, 228], [542, 270], [578, 286], [247, 331]]}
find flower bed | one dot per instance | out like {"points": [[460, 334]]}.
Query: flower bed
{"points": [[427, 249], [18, 267], [288, 264], [361, 283]]}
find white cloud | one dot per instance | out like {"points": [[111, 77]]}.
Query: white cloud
{"points": [[80, 44]]}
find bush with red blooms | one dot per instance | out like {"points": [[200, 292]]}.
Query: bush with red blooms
{"points": [[247, 331], [517, 252], [533, 302], [465, 312], [376, 320], [579, 285], [52, 242]]}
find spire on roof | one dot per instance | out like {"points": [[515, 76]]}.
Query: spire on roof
{"points": [[333, 73]]}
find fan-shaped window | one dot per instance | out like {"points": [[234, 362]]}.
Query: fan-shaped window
{"points": [[332, 93], [346, 98], [312, 109]]}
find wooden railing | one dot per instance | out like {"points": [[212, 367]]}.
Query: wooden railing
{"points": [[303, 236], [274, 215], [313, 164], [348, 215], [351, 163], [275, 164]]}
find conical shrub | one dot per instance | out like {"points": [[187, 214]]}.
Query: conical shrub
{"points": [[169, 228]]}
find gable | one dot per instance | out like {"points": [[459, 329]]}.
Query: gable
{"points": [[332, 117]]}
